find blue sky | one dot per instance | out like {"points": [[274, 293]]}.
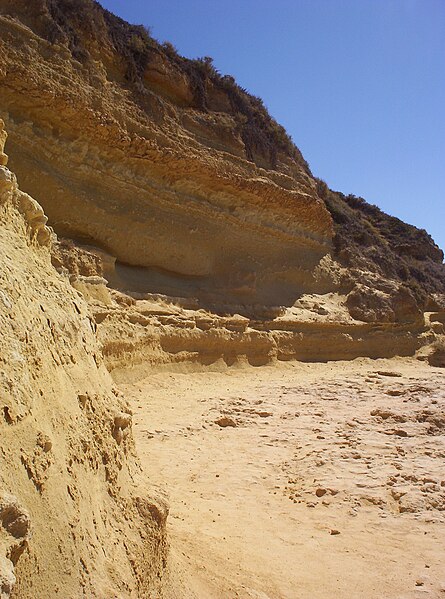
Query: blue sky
{"points": [[358, 84]]}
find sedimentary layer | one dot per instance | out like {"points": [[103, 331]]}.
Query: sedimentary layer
{"points": [[153, 333], [183, 178], [157, 183]]}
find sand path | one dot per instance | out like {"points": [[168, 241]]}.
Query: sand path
{"points": [[326, 480]]}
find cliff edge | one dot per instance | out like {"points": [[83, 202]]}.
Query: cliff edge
{"points": [[180, 175]]}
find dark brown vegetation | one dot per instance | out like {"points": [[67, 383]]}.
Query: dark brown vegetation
{"points": [[367, 238]]}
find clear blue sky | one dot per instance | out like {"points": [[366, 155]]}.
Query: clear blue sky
{"points": [[358, 84]]}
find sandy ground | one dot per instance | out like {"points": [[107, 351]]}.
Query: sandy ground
{"points": [[326, 480]]}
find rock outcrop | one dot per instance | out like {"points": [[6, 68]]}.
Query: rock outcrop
{"points": [[142, 172], [76, 518], [180, 176], [166, 180], [377, 248]]}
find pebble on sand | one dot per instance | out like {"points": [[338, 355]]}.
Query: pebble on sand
{"points": [[224, 421]]}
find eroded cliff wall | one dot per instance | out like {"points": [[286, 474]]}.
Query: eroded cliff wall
{"points": [[179, 185], [194, 233], [76, 518], [141, 171]]}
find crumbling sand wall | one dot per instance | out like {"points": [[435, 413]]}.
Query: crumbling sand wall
{"points": [[76, 519]]}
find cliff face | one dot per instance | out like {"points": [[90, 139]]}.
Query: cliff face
{"points": [[138, 169], [367, 239], [76, 517], [175, 170]]}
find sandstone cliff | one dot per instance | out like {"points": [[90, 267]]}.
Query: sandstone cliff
{"points": [[76, 517], [190, 231], [152, 178], [181, 176], [178, 184]]}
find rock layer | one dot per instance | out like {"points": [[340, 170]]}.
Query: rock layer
{"points": [[182, 177], [157, 183]]}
